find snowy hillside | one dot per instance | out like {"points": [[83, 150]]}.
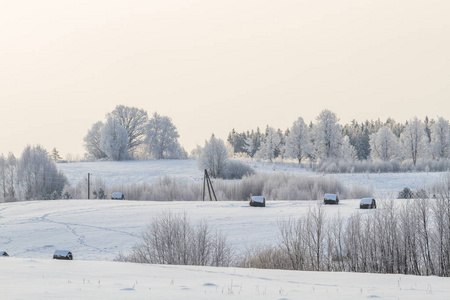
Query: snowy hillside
{"points": [[96, 230], [34, 279], [131, 171], [100, 229], [116, 173]]}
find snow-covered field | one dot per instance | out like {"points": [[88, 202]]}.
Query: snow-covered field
{"points": [[22, 278], [100, 229], [131, 171], [386, 185], [95, 231]]}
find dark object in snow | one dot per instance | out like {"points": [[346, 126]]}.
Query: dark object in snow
{"points": [[367, 203], [258, 201], [3, 253], [331, 199], [62, 254], [117, 196]]}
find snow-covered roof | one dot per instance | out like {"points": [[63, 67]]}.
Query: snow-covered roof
{"points": [[366, 200], [61, 253], [259, 199], [330, 196]]}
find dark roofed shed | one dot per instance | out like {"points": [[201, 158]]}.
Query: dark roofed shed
{"points": [[63, 254]]}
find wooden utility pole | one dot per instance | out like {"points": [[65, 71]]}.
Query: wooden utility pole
{"points": [[89, 185], [207, 182]]}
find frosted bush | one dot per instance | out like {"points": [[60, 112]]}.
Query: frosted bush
{"points": [[235, 169]]}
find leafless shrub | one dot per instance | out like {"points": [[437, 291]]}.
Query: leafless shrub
{"points": [[267, 257], [166, 188], [378, 166], [171, 239], [359, 191]]}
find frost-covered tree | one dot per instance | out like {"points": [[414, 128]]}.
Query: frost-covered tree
{"points": [[281, 148], [38, 175], [414, 140], [162, 138], [348, 151], [359, 137], [253, 142], [237, 140], [92, 141], [11, 177], [55, 155], [3, 176], [134, 120], [328, 138], [114, 139], [298, 141], [213, 157], [249, 146], [384, 145], [440, 139], [270, 144]]}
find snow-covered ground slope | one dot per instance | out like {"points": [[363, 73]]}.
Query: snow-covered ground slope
{"points": [[100, 229], [131, 171], [96, 230], [33, 279], [386, 185]]}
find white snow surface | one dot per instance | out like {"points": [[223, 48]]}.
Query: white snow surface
{"points": [[100, 229], [31, 279], [96, 230]]}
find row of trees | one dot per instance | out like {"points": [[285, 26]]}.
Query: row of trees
{"points": [[33, 176], [128, 133], [327, 140], [412, 238]]}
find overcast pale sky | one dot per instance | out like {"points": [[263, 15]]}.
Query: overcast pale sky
{"points": [[216, 65]]}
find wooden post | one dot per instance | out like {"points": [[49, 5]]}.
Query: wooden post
{"points": [[207, 181], [204, 182], [210, 183], [89, 186]]}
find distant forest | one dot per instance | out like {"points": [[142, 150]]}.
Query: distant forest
{"points": [[367, 146]]}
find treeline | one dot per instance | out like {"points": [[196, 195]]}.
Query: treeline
{"points": [[369, 146], [128, 132], [32, 176], [411, 238]]}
